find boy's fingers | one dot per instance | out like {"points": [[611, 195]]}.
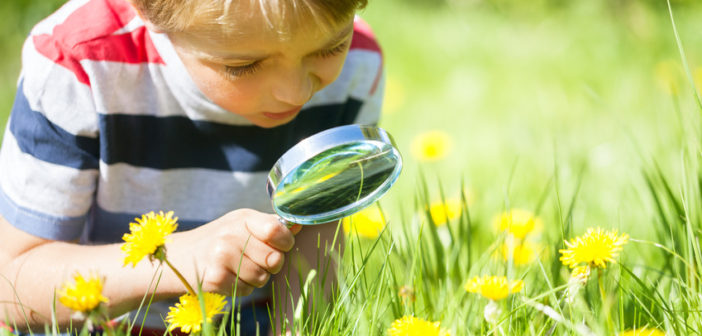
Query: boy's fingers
{"points": [[296, 228], [271, 231], [264, 255]]}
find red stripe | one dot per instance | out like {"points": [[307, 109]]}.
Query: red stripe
{"points": [[86, 34], [94, 19], [133, 47], [363, 38], [52, 50]]}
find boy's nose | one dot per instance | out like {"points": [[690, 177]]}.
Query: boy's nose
{"points": [[295, 87]]}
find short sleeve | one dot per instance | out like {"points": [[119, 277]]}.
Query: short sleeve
{"points": [[49, 158], [369, 114], [368, 83]]}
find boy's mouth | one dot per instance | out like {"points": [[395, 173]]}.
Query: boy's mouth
{"points": [[282, 115]]}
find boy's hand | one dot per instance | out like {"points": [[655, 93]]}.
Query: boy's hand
{"points": [[243, 242]]}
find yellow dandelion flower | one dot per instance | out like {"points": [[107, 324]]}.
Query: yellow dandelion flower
{"points": [[83, 295], [368, 223], [493, 287], [596, 247], [148, 236], [441, 212], [518, 223], [431, 146], [643, 332], [522, 254], [187, 314], [668, 75], [327, 177], [412, 326]]}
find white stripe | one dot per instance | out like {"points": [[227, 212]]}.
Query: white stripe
{"points": [[44, 187], [194, 194], [143, 89], [132, 25], [371, 108], [367, 65], [55, 92], [128, 89], [47, 25]]}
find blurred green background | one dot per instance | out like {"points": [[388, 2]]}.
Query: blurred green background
{"points": [[540, 97], [537, 97]]}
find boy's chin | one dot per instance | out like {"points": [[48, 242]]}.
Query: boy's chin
{"points": [[264, 122]]}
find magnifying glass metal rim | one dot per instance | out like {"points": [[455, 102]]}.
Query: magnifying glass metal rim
{"points": [[318, 143]]}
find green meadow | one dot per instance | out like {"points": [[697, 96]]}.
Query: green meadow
{"points": [[579, 114]]}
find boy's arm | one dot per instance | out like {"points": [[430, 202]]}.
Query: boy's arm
{"points": [[33, 269], [313, 250]]}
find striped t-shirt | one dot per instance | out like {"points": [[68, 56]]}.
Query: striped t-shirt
{"points": [[108, 125]]}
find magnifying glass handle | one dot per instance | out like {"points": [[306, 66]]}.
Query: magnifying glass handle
{"points": [[286, 223]]}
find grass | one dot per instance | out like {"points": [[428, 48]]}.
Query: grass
{"points": [[585, 113]]}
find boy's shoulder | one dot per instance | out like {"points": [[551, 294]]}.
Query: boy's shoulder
{"points": [[95, 30], [80, 21], [362, 73], [363, 37], [365, 48]]}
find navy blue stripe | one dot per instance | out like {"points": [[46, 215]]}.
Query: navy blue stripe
{"points": [[109, 227], [38, 136], [40, 224], [179, 142]]}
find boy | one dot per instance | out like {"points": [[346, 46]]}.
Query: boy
{"points": [[127, 107]]}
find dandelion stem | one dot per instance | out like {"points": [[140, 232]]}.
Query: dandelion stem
{"points": [[180, 276], [605, 303], [600, 283]]}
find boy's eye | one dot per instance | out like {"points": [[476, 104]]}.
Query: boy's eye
{"points": [[334, 51], [243, 70]]}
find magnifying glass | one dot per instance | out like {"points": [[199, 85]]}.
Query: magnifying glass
{"points": [[333, 174]]}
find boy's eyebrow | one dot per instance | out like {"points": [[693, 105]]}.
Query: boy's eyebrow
{"points": [[254, 57]]}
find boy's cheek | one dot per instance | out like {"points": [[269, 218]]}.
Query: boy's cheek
{"points": [[329, 69]]}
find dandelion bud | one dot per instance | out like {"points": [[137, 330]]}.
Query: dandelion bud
{"points": [[492, 312], [406, 293], [578, 280]]}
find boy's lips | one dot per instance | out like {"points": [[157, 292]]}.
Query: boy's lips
{"points": [[282, 115]]}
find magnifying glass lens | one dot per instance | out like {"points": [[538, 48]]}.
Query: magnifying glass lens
{"points": [[337, 182]]}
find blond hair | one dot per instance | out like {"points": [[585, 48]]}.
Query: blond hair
{"points": [[174, 16]]}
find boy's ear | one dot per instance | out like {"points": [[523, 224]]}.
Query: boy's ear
{"points": [[149, 25]]}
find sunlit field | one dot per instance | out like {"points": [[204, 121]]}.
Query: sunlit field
{"points": [[552, 182]]}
